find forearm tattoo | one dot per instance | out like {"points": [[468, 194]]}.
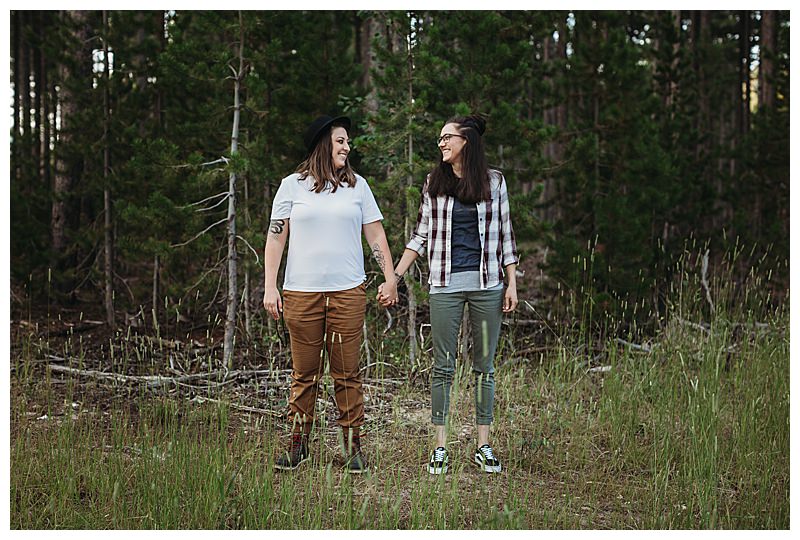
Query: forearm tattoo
{"points": [[276, 227], [378, 254]]}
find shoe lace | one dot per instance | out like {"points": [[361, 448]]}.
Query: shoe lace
{"points": [[487, 452], [439, 453]]}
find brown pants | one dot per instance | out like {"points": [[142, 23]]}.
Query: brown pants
{"points": [[325, 325]]}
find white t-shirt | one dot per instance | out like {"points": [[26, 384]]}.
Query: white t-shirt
{"points": [[325, 252]]}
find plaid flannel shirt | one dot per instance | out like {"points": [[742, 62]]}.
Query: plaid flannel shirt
{"points": [[434, 226]]}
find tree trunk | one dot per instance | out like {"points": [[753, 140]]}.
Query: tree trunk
{"points": [[230, 314], [162, 41], [412, 301], [36, 141], [25, 92], [107, 243], [744, 105], [246, 293], [139, 63], [16, 45], [365, 30], [155, 287], [766, 68], [672, 95], [66, 168], [43, 93]]}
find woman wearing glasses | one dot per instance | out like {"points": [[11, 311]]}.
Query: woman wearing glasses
{"points": [[464, 226]]}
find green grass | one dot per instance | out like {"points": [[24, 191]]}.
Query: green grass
{"points": [[691, 435]]}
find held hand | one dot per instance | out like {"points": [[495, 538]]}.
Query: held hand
{"points": [[387, 294], [510, 299], [380, 293], [272, 302]]}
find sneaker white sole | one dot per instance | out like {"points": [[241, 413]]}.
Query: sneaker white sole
{"points": [[487, 468], [437, 470]]}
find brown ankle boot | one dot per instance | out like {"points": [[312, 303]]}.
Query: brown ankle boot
{"points": [[356, 462], [295, 455]]}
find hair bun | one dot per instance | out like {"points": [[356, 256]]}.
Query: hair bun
{"points": [[476, 122]]}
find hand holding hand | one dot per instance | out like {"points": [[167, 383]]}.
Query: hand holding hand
{"points": [[387, 294]]}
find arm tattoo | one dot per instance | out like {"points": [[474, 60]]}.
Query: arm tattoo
{"points": [[376, 252], [276, 227]]}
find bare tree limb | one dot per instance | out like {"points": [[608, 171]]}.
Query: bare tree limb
{"points": [[704, 280], [223, 159], [209, 208], [201, 233], [223, 194], [251, 248]]}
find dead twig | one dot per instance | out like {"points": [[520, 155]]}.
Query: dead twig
{"points": [[634, 346], [694, 325], [389, 322], [201, 233], [379, 363], [704, 280], [201, 399], [218, 378], [74, 329]]}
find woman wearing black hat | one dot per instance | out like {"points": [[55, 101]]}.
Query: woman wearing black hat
{"points": [[464, 226], [326, 206]]}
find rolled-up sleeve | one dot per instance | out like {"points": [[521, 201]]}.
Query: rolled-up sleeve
{"points": [[419, 238], [509, 244]]}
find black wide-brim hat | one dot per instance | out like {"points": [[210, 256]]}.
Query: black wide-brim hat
{"points": [[320, 126]]}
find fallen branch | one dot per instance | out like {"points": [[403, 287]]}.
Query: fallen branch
{"points": [[634, 346], [378, 363], [693, 325], [755, 325], [87, 325], [201, 399], [154, 380], [599, 369], [218, 377]]}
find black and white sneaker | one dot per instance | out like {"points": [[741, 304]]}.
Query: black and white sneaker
{"points": [[439, 461], [484, 458]]}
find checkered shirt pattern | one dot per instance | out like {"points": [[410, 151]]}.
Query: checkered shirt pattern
{"points": [[434, 225]]}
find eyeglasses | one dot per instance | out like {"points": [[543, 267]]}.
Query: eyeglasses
{"points": [[446, 138]]}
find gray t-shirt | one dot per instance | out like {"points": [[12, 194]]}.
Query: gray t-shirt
{"points": [[325, 252]]}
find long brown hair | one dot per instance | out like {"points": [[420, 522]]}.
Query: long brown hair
{"points": [[473, 186], [319, 166]]}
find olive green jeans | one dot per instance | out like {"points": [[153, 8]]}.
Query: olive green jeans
{"points": [[485, 313]]}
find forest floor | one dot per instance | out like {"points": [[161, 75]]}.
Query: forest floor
{"points": [[145, 431]]}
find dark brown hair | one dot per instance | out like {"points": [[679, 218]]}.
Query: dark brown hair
{"points": [[319, 166], [473, 186]]}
